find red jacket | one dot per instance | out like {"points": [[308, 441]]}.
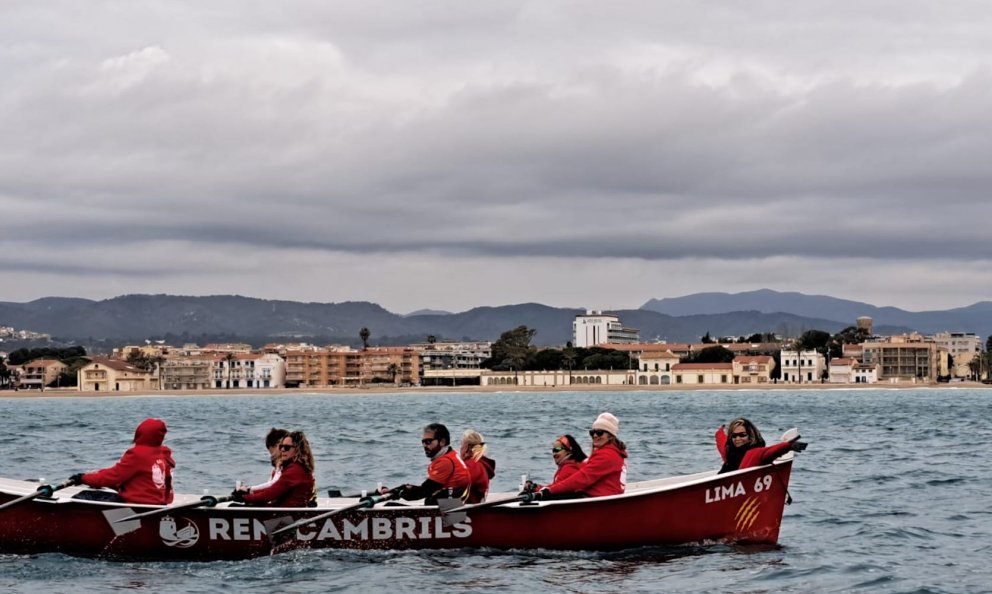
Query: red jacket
{"points": [[144, 472], [603, 473], [567, 468], [449, 471], [480, 471], [295, 487], [754, 456]]}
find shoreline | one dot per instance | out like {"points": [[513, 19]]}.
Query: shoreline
{"points": [[73, 393]]}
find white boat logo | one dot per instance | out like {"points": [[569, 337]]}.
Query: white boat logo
{"points": [[182, 538]]}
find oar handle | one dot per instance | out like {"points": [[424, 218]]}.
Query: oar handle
{"points": [[484, 504], [368, 501], [48, 490]]}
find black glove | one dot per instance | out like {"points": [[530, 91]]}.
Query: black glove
{"points": [[798, 446], [76, 479], [536, 496], [210, 500], [238, 495]]}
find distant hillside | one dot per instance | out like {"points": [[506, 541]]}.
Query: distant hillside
{"points": [[230, 317], [975, 318]]}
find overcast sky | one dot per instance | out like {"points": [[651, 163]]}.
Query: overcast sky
{"points": [[454, 154]]}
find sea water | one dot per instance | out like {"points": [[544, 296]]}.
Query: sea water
{"points": [[894, 493]]}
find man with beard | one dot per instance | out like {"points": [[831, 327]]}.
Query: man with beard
{"points": [[447, 474]]}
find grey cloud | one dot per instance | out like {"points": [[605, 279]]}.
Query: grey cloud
{"points": [[676, 133]]}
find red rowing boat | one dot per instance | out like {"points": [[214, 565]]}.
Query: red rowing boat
{"points": [[705, 508]]}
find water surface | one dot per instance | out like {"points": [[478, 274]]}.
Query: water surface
{"points": [[893, 494]]}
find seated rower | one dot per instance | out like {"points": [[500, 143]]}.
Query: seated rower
{"points": [[144, 472], [446, 473], [746, 448], [295, 486], [603, 473], [481, 469], [568, 455]]}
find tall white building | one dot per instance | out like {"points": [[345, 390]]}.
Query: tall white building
{"points": [[595, 327]]}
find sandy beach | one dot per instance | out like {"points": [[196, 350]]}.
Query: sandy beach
{"points": [[73, 393]]}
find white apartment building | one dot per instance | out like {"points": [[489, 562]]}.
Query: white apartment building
{"points": [[594, 327], [804, 367]]}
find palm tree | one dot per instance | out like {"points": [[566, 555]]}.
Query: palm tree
{"points": [[431, 339], [364, 334], [393, 369], [230, 367]]}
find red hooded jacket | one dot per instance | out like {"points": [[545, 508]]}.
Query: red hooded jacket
{"points": [[603, 473], [480, 471], [144, 472]]}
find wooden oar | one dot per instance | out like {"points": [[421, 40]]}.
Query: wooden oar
{"points": [[43, 491], [205, 501], [455, 515], [370, 501]]}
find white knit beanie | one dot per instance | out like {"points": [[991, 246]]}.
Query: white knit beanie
{"points": [[607, 422]]}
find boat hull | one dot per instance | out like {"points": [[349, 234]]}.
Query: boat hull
{"points": [[741, 507]]}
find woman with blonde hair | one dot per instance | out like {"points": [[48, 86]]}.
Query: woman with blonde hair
{"points": [[481, 469]]}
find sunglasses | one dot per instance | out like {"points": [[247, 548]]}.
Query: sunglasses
{"points": [[428, 441], [557, 449], [286, 447], [736, 435], [597, 432]]}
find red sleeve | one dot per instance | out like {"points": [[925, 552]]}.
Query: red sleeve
{"points": [[721, 442], [762, 456], [598, 465], [291, 476], [116, 475]]}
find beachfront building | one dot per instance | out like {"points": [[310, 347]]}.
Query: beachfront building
{"points": [[804, 367], [596, 328], [451, 363], [753, 369], [559, 377], [194, 372], [961, 347], [908, 358], [841, 370], [248, 370], [654, 366], [865, 373], [103, 374], [342, 366], [35, 375], [703, 373]]}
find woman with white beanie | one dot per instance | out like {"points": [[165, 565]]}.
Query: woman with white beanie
{"points": [[603, 473]]}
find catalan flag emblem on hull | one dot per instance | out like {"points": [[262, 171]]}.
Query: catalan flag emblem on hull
{"points": [[748, 514]]}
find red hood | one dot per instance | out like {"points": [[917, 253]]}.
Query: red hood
{"points": [[151, 432]]}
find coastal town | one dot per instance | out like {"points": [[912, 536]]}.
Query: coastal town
{"points": [[856, 356]]}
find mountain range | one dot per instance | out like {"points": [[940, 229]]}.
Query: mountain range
{"points": [[682, 319]]}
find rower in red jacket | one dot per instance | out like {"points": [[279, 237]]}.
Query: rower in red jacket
{"points": [[603, 473], [446, 474], [144, 472], [568, 455], [295, 485], [481, 469], [746, 448]]}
